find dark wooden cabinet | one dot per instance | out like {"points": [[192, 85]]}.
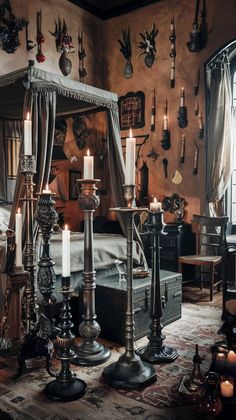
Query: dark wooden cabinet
{"points": [[179, 240]]}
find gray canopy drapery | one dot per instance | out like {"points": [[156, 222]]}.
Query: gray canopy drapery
{"points": [[220, 140]]}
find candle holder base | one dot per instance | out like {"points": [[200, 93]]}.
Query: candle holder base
{"points": [[91, 354], [129, 372], [58, 391], [163, 354]]}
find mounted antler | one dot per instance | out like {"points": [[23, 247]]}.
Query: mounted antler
{"points": [[148, 45], [126, 50]]}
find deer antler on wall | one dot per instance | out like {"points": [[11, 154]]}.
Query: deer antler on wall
{"points": [[126, 50], [148, 45]]}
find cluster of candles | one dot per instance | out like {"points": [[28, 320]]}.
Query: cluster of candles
{"points": [[228, 362]]}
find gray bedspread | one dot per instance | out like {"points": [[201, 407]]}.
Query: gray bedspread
{"points": [[107, 249]]}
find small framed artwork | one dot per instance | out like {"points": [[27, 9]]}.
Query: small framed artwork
{"points": [[73, 185], [132, 110]]}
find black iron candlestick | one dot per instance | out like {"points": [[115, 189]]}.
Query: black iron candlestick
{"points": [[155, 351], [46, 217], [28, 168], [66, 387], [129, 372], [89, 352]]}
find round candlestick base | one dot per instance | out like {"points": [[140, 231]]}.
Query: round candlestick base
{"points": [[163, 354], [65, 391], [129, 373], [91, 354]]}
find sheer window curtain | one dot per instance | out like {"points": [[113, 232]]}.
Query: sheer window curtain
{"points": [[220, 135]]}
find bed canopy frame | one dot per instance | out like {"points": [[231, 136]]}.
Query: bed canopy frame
{"points": [[46, 96]]}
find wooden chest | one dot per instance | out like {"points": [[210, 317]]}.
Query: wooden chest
{"points": [[111, 299]]}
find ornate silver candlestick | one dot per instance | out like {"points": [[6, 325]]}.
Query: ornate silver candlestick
{"points": [[66, 387], [90, 352], [46, 217], [28, 168], [155, 351], [129, 372]]}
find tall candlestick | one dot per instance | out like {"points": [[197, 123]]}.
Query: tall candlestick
{"points": [[182, 98], [88, 166], [18, 229], [130, 160], [28, 136], [66, 252]]}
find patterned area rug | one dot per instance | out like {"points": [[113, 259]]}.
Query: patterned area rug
{"points": [[24, 399]]}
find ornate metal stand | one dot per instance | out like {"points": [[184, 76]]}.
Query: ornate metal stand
{"points": [[129, 372], [46, 217], [155, 351], [90, 352], [28, 168], [66, 387]]}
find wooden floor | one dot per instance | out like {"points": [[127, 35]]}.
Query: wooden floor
{"points": [[193, 294]]}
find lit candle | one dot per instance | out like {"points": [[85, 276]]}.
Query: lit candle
{"points": [[18, 229], [88, 166], [66, 252], [155, 206], [200, 120], [165, 123], [220, 357], [47, 191], [231, 357], [227, 388], [130, 160], [28, 136], [182, 98]]}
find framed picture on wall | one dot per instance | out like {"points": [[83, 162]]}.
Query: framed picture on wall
{"points": [[132, 110], [73, 185]]}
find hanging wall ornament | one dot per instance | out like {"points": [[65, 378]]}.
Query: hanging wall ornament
{"points": [[196, 157], [182, 151], [196, 85], [201, 129], [126, 50], [165, 141], [40, 57], [172, 39], [148, 45], [10, 26], [64, 46], [153, 111], [182, 117], [198, 37], [82, 55], [165, 167]]}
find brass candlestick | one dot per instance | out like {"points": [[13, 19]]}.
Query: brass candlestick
{"points": [[129, 372], [28, 168], [90, 352], [155, 351], [66, 387]]}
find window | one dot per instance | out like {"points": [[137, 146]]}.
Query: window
{"points": [[231, 193]]}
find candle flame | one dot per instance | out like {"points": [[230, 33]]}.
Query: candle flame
{"points": [[130, 133], [18, 210], [66, 227], [27, 116], [165, 117], [88, 152]]}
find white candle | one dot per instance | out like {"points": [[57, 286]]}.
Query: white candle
{"points": [[155, 206], [165, 123], [66, 252], [18, 229], [46, 191], [227, 389], [130, 160], [182, 98], [231, 357], [28, 136], [88, 166]]}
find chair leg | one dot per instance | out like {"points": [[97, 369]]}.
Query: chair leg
{"points": [[212, 283]]}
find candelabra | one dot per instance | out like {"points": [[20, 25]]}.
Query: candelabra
{"points": [[28, 168], [46, 217], [89, 352], [155, 351], [66, 387], [129, 372]]}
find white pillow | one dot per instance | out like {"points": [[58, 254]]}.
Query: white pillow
{"points": [[5, 212]]}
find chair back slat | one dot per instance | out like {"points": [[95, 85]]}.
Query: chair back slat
{"points": [[210, 234]]}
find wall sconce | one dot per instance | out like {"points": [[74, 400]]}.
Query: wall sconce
{"points": [[13, 152]]}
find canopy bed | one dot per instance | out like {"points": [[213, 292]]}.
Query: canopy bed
{"points": [[48, 96]]}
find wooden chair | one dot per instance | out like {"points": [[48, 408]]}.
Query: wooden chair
{"points": [[210, 249]]}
